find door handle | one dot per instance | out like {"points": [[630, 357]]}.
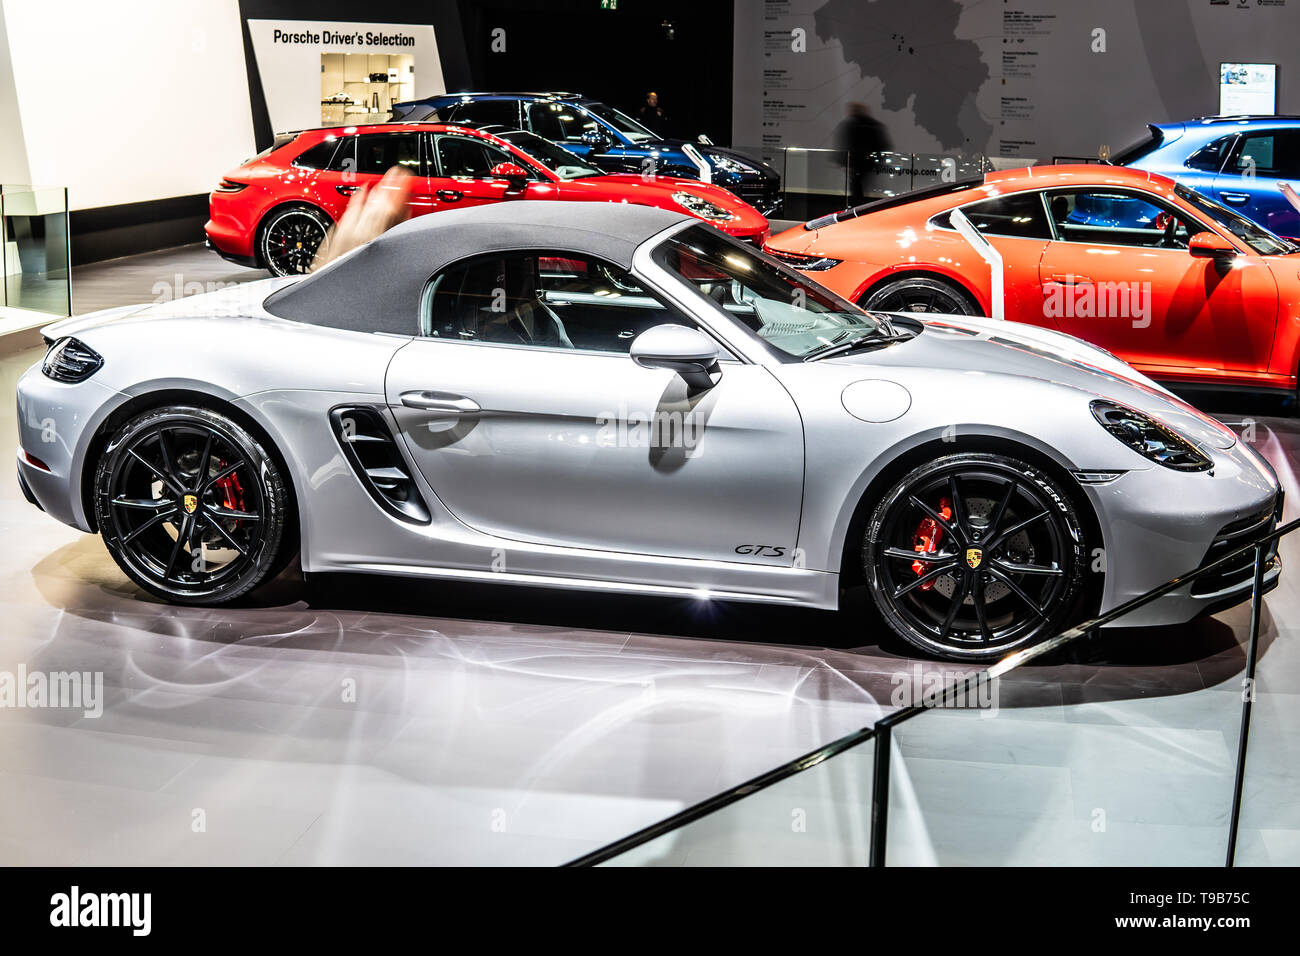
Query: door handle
{"points": [[450, 195], [1237, 199], [441, 402], [345, 190], [1070, 280]]}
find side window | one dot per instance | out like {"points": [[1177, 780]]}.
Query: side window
{"points": [[345, 158], [1209, 158], [379, 152], [1275, 154], [318, 156], [559, 122], [487, 113], [469, 158], [1119, 219], [542, 299], [1019, 215]]}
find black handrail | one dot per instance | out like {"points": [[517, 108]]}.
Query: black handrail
{"points": [[881, 730]]}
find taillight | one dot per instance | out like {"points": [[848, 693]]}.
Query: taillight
{"points": [[70, 360], [229, 186]]}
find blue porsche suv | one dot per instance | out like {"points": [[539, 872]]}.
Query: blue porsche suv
{"points": [[604, 137], [1236, 160]]}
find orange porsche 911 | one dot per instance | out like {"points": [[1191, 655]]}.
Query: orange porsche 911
{"points": [[1182, 288]]}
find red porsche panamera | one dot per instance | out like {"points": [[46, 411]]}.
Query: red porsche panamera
{"points": [[275, 210], [1182, 288]]}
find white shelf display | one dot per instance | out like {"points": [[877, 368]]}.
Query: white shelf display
{"points": [[352, 91]]}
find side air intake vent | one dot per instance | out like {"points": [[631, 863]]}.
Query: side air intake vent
{"points": [[371, 450]]}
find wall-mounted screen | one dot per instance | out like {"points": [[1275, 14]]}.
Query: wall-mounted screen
{"points": [[1247, 88]]}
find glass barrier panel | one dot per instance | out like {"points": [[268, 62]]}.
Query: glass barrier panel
{"points": [[820, 817], [1269, 830], [1119, 760], [35, 248], [813, 182]]}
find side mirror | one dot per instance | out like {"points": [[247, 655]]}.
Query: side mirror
{"points": [[596, 139], [1210, 245], [513, 174], [689, 353]]}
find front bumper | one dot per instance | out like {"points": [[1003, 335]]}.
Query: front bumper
{"points": [[761, 191], [56, 423], [1158, 524]]}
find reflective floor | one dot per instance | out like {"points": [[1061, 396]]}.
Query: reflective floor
{"points": [[361, 720]]}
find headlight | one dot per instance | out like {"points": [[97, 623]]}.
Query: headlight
{"points": [[69, 360], [803, 263], [699, 206], [1149, 438], [729, 165]]}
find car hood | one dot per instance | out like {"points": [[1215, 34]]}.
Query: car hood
{"points": [[992, 346]]}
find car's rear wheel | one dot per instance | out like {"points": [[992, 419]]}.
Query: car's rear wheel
{"points": [[919, 294], [289, 237], [190, 505], [975, 555]]}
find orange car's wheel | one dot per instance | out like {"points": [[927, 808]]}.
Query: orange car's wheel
{"points": [[920, 294]]}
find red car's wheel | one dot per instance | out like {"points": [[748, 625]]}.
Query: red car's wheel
{"points": [[289, 237]]}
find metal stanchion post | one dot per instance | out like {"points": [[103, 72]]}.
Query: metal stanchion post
{"points": [[1247, 699]]}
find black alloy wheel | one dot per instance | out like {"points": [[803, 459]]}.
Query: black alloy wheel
{"points": [[190, 506], [290, 238], [919, 294], [975, 555]]}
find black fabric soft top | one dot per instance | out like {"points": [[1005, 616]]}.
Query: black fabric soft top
{"points": [[377, 287]]}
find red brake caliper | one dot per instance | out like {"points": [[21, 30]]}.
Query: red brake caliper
{"points": [[232, 491], [926, 540]]}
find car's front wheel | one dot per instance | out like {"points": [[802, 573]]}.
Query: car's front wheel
{"points": [[919, 294], [975, 555], [190, 505]]}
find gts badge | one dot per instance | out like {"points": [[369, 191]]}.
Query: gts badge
{"points": [[761, 550]]}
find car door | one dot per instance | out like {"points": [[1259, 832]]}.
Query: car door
{"points": [[362, 159], [462, 173], [1119, 275], [522, 408], [1249, 182], [1016, 226]]}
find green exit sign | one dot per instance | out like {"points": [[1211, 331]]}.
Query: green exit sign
{"points": [[609, 4]]}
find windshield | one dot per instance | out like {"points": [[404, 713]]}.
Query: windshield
{"points": [[621, 122], [1257, 237], [555, 158], [793, 315]]}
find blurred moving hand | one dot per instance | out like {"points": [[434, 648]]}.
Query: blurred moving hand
{"points": [[372, 210]]}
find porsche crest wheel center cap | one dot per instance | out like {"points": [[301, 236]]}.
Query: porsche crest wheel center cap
{"points": [[974, 556], [191, 503]]}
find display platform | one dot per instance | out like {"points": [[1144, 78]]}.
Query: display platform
{"points": [[369, 720]]}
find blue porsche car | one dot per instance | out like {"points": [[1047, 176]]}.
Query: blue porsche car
{"points": [[604, 137], [1237, 160]]}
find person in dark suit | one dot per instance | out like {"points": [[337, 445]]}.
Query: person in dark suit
{"points": [[651, 114], [858, 138]]}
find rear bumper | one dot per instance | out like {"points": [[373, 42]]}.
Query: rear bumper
{"points": [[232, 225], [249, 261]]}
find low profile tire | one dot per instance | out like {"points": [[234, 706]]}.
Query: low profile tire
{"points": [[191, 506], [289, 237], [973, 556], [920, 294]]}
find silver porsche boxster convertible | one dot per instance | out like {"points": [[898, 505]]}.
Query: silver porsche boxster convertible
{"points": [[624, 399]]}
